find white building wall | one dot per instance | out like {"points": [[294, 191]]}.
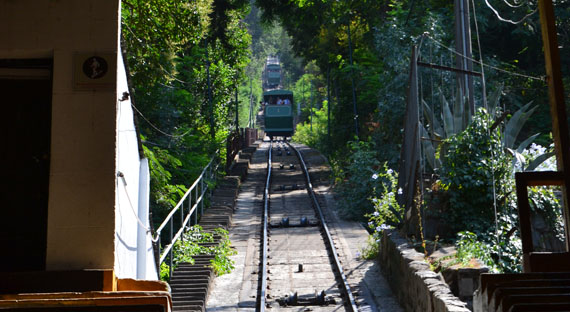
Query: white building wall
{"points": [[80, 224], [127, 220], [91, 222]]}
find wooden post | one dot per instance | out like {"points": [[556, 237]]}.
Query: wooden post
{"points": [[463, 46], [410, 152], [329, 104], [352, 82], [237, 107], [556, 96]]}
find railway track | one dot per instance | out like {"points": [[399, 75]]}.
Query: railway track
{"points": [[300, 268]]}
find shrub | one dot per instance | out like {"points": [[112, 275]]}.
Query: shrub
{"points": [[357, 182], [387, 212], [190, 245], [475, 162]]}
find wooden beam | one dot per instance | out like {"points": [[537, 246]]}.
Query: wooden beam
{"points": [[556, 96]]}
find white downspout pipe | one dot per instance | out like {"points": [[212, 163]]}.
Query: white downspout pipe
{"points": [[144, 191]]}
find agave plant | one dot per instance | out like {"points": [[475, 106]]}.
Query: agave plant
{"points": [[456, 120]]}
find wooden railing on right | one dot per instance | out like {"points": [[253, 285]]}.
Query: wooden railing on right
{"points": [[544, 284]]}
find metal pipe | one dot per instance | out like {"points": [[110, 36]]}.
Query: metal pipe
{"points": [[144, 190], [170, 252], [202, 192], [196, 203]]}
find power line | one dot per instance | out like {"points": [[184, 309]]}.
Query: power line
{"points": [[426, 34], [143, 44], [157, 129]]}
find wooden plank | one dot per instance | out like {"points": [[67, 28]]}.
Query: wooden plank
{"points": [[112, 303], [556, 96], [57, 281]]}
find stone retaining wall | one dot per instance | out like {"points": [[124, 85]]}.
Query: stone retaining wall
{"points": [[416, 286]]}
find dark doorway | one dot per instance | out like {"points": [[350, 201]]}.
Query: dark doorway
{"points": [[25, 123]]}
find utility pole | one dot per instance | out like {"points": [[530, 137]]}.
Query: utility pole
{"points": [[557, 105], [237, 108], [311, 108], [210, 104], [329, 104], [463, 47], [250, 123], [303, 94], [352, 82]]}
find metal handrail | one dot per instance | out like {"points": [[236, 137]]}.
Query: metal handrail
{"points": [[185, 218]]}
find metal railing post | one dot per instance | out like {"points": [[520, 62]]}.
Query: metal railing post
{"points": [[190, 206], [202, 192], [196, 210], [182, 221], [170, 253]]}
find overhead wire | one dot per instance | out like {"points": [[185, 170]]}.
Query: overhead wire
{"points": [[142, 44], [483, 83], [494, 182], [171, 76], [177, 136], [542, 78]]}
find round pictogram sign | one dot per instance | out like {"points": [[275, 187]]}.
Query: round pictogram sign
{"points": [[95, 67]]}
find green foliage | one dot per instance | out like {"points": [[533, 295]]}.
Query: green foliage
{"points": [[313, 132], [370, 250], [162, 191], [222, 264], [191, 245], [545, 202], [467, 173], [387, 212], [475, 162], [468, 247], [164, 272], [358, 184], [170, 48], [504, 256]]}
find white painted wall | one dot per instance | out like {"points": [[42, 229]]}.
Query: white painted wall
{"points": [[91, 223], [130, 171], [81, 205]]}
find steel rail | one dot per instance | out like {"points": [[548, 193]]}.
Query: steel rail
{"points": [[262, 297], [331, 244]]}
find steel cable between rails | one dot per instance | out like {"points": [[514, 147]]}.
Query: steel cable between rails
{"points": [[352, 301], [541, 78]]}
